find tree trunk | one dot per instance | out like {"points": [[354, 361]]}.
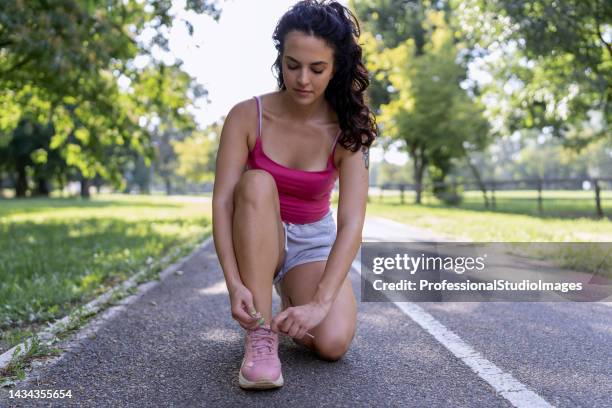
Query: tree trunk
{"points": [[21, 186], [98, 183], [168, 184], [42, 187], [60, 183], [85, 187], [419, 162], [481, 185]]}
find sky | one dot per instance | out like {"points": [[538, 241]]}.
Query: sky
{"points": [[233, 58]]}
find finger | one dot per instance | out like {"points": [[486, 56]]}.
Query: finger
{"points": [[294, 329], [251, 323], [246, 321], [245, 318], [278, 319], [257, 320], [254, 325], [301, 333], [282, 326], [244, 326], [249, 306], [286, 324]]}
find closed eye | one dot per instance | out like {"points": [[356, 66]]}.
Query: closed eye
{"points": [[315, 71]]}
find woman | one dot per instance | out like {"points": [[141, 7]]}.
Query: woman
{"points": [[279, 157]]}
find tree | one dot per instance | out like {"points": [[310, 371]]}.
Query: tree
{"points": [[429, 111], [196, 155], [70, 54], [551, 62], [389, 173], [392, 22], [164, 96]]}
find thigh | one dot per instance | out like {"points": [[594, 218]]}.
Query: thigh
{"points": [[256, 186], [335, 333]]}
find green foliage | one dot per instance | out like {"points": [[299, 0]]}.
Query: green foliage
{"points": [[36, 348], [60, 62], [196, 155], [51, 45], [429, 111], [569, 27], [161, 95], [547, 68], [389, 173], [511, 158], [550, 61], [392, 22]]}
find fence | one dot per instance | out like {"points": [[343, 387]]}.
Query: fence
{"points": [[572, 194]]}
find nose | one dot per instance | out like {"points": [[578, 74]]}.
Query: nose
{"points": [[303, 77]]}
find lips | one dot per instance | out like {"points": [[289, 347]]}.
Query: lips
{"points": [[302, 91]]}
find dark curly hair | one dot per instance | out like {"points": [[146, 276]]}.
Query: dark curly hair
{"points": [[336, 25]]}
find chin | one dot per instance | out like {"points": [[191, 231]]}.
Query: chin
{"points": [[307, 98]]}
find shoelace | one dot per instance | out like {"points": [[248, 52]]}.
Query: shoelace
{"points": [[262, 342]]}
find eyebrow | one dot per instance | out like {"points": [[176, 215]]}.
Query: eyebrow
{"points": [[314, 63]]}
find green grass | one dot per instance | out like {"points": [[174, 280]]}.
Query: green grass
{"points": [[57, 254], [488, 226], [16, 368], [555, 203]]}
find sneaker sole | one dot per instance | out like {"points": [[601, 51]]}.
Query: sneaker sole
{"points": [[261, 384]]}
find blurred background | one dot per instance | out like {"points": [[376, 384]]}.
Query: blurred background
{"points": [[493, 115], [472, 97]]}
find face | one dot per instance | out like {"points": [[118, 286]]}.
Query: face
{"points": [[308, 64]]}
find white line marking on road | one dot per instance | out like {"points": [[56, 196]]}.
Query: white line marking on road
{"points": [[504, 383], [609, 304]]}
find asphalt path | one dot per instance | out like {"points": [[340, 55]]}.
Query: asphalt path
{"points": [[562, 351], [176, 345]]}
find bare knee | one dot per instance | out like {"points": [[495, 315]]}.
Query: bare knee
{"points": [[331, 348], [254, 188]]}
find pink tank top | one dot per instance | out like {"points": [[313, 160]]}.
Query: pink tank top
{"points": [[304, 195]]}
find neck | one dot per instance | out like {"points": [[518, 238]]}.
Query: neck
{"points": [[302, 113]]}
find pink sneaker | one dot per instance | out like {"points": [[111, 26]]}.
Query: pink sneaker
{"points": [[261, 367]]}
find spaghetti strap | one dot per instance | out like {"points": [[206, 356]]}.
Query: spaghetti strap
{"points": [[259, 109], [336, 141]]}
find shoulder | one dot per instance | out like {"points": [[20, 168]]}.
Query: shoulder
{"points": [[242, 120], [363, 149], [361, 155], [243, 110], [246, 110]]}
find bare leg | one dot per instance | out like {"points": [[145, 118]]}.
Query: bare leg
{"points": [[333, 336], [258, 236]]}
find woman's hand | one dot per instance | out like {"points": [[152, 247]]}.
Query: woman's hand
{"points": [[243, 310], [297, 320]]}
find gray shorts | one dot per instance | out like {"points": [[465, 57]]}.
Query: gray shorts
{"points": [[307, 243]]}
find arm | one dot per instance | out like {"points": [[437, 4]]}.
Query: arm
{"points": [[232, 154], [231, 158], [351, 214]]}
